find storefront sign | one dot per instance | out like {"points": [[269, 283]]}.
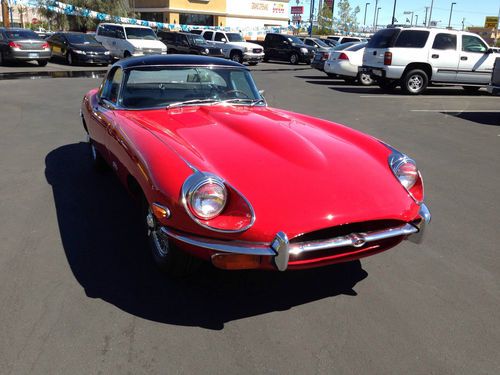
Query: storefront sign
{"points": [[297, 10], [257, 8], [491, 22]]}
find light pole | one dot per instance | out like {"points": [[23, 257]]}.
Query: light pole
{"points": [[376, 19], [366, 7], [311, 16], [416, 20], [430, 13], [451, 12], [408, 12], [375, 16], [393, 12]]}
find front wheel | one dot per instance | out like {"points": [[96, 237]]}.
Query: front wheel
{"points": [[43, 62], [69, 58], [126, 54], [2, 60], [169, 259], [414, 82], [365, 79], [294, 59], [253, 63], [236, 56]]}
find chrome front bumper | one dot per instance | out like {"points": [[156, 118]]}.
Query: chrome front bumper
{"points": [[281, 249]]}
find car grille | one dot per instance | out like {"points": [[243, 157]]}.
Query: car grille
{"points": [[31, 45], [344, 230], [152, 50], [257, 50], [92, 53]]}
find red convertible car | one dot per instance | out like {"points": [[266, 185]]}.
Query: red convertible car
{"points": [[224, 178]]}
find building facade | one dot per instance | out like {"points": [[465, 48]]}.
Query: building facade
{"points": [[231, 13]]}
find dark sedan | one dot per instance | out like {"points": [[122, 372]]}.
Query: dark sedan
{"points": [[78, 48], [179, 42], [23, 45]]}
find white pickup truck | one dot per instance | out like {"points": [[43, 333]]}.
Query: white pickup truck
{"points": [[235, 47]]}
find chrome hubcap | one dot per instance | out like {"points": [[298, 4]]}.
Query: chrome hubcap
{"points": [[415, 83], [160, 242], [294, 59]]}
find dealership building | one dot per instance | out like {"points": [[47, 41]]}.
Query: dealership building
{"points": [[230, 13]]}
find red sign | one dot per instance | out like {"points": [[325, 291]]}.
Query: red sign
{"points": [[297, 10], [329, 3]]}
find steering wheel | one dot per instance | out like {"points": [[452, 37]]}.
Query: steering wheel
{"points": [[237, 92]]}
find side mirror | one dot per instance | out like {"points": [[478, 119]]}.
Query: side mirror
{"points": [[223, 40], [490, 50], [261, 93]]}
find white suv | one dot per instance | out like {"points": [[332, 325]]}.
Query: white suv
{"points": [[414, 57], [129, 40], [235, 47]]}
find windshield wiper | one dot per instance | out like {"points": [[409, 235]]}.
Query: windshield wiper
{"points": [[252, 102], [192, 102]]}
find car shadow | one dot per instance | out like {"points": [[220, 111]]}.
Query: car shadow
{"points": [[431, 91], [103, 241], [483, 118]]}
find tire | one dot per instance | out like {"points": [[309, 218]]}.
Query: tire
{"points": [[294, 59], [471, 89], [167, 257], [387, 84], [265, 59], [126, 54], [236, 56], [414, 82], [252, 63], [43, 62], [2, 59], [365, 79], [98, 161]]}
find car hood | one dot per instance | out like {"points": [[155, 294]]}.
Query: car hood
{"points": [[246, 44], [299, 173], [146, 43], [89, 47]]}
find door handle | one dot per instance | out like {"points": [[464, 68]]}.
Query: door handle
{"points": [[463, 58], [435, 56]]}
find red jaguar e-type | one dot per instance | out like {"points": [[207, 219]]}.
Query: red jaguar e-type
{"points": [[224, 178]]}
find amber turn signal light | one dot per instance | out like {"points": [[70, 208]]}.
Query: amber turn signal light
{"points": [[160, 212], [235, 261]]}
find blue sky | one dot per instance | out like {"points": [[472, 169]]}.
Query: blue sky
{"points": [[473, 11]]}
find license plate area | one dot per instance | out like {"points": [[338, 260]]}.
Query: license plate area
{"points": [[33, 55]]}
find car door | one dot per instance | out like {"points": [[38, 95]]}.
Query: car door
{"points": [[102, 116], [55, 45], [183, 43], [444, 57], [221, 41], [102, 36], [476, 61], [283, 48]]}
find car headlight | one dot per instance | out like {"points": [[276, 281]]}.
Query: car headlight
{"points": [[107, 52], [207, 51], [207, 198], [406, 171], [138, 49], [304, 50], [77, 51]]}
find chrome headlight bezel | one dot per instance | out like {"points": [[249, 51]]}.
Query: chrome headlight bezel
{"points": [[396, 161], [79, 52], [304, 50], [190, 189]]}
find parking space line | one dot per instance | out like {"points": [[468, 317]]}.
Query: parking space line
{"points": [[457, 110]]}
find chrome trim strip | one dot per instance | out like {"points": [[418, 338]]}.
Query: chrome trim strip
{"points": [[353, 239], [425, 214], [236, 247]]}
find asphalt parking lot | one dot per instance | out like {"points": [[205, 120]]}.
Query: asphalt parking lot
{"points": [[80, 295]]}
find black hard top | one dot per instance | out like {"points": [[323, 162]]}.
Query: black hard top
{"points": [[155, 60]]}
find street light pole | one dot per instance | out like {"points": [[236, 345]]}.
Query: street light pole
{"points": [[311, 16], [375, 16], [393, 12], [430, 13], [376, 19], [416, 20], [451, 12], [366, 7]]}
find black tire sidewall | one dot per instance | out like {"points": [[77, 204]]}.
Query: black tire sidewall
{"points": [[296, 59], [237, 55]]}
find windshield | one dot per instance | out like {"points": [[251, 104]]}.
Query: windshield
{"points": [[140, 33], [181, 86], [344, 46], [234, 37], [21, 34], [295, 40], [197, 39], [320, 43], [81, 39]]}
